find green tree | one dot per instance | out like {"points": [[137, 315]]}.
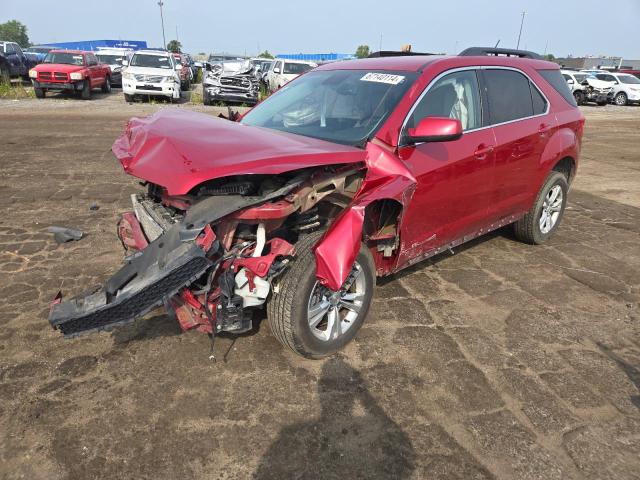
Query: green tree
{"points": [[14, 31], [362, 51], [550, 56], [266, 54], [174, 46]]}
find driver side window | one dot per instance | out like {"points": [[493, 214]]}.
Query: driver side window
{"points": [[455, 95]]}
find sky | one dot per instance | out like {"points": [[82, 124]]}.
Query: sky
{"points": [[560, 27]]}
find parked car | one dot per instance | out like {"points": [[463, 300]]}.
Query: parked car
{"points": [[577, 84], [115, 58], [184, 71], [635, 73], [72, 71], [152, 73], [626, 87], [39, 52], [230, 82], [283, 71], [593, 90], [355, 170], [13, 62]]}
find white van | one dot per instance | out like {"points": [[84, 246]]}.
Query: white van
{"points": [[283, 71]]}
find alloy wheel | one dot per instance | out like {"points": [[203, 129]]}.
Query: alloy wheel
{"points": [[331, 314], [551, 208]]}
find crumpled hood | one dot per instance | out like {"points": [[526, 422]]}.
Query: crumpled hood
{"points": [[179, 149], [597, 83]]}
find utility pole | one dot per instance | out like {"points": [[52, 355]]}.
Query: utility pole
{"points": [[520, 34], [164, 40], [177, 38], [380, 49]]}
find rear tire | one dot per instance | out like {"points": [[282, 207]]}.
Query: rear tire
{"points": [[86, 90], [40, 92], [621, 99], [579, 96], [544, 217], [106, 88], [290, 312]]}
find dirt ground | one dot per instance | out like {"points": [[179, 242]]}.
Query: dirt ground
{"points": [[501, 361]]}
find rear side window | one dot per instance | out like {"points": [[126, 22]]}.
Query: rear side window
{"points": [[539, 102], [508, 95], [554, 78]]}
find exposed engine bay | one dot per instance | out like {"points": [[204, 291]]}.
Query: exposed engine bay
{"points": [[226, 243]]}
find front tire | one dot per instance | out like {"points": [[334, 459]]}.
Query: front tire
{"points": [[310, 319], [544, 217], [86, 90], [106, 88], [621, 99], [40, 92], [128, 98], [579, 96]]}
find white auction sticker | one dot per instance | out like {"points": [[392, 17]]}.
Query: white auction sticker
{"points": [[383, 78]]}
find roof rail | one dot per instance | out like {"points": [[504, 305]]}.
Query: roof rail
{"points": [[491, 51]]}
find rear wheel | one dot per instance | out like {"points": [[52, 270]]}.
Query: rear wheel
{"points": [[312, 320], [579, 96], [86, 90], [544, 217], [106, 88], [621, 99], [40, 92]]}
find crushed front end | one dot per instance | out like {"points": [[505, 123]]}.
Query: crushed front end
{"points": [[210, 256], [230, 83]]}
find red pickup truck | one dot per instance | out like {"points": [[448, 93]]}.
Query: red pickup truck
{"points": [[70, 70]]}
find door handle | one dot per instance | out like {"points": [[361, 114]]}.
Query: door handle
{"points": [[482, 151]]}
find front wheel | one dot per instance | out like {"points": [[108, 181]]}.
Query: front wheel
{"points": [[544, 217], [86, 90], [621, 99], [579, 96], [312, 320], [106, 88], [40, 92]]}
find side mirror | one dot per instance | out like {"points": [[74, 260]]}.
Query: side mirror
{"points": [[435, 129], [276, 70]]}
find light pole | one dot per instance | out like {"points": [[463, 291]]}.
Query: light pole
{"points": [[520, 34], [164, 40]]}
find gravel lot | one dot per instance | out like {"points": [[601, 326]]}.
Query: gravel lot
{"points": [[501, 361]]}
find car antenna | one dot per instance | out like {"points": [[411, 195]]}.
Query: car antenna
{"points": [[497, 43]]}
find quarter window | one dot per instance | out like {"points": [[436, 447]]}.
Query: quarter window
{"points": [[455, 95], [508, 95], [539, 102]]}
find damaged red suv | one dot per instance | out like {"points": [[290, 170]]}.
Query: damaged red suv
{"points": [[353, 171]]}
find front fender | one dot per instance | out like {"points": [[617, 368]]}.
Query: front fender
{"points": [[387, 178]]}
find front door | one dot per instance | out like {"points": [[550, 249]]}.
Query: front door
{"points": [[454, 179]]}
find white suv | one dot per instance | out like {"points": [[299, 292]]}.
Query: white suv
{"points": [[151, 72], [626, 87], [283, 71]]}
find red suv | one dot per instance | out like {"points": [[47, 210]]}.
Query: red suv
{"points": [[352, 171]]}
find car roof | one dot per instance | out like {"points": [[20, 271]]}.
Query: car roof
{"points": [[417, 63], [75, 52], [290, 60], [154, 52]]}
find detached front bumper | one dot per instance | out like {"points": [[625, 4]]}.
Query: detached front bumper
{"points": [[75, 86]]}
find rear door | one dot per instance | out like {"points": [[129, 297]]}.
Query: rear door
{"points": [[454, 179], [95, 72], [518, 112]]}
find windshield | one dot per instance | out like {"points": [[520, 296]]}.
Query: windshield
{"points": [[580, 77], [110, 59], [64, 58], [341, 106], [629, 79], [296, 68], [151, 61]]}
